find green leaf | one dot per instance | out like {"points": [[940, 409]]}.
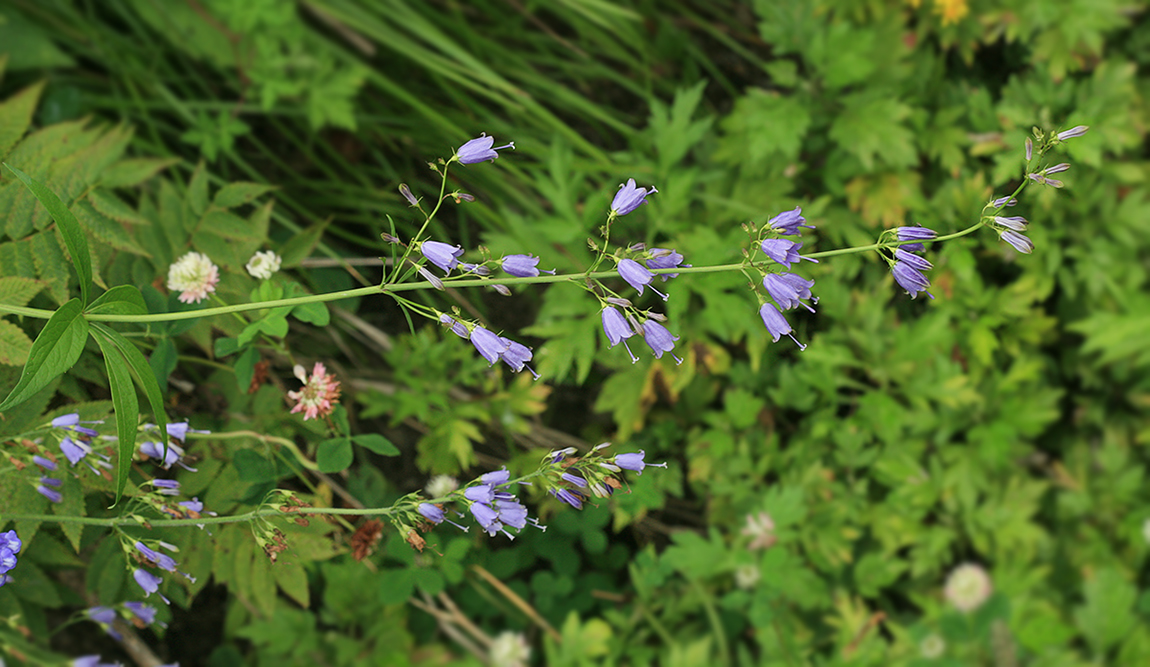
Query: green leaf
{"points": [[17, 291], [54, 351], [225, 346], [245, 368], [142, 373], [376, 443], [300, 246], [127, 407], [198, 190], [16, 115], [120, 300], [163, 360], [69, 229], [236, 194], [252, 467], [1106, 617], [334, 455], [313, 313], [134, 171], [14, 344]]}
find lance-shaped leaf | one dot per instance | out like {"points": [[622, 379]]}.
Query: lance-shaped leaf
{"points": [[54, 351], [69, 229]]}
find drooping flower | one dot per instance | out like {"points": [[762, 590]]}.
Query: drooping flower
{"points": [[45, 488], [495, 477], [570, 496], [149, 582], [968, 587], [617, 329], [167, 487], [318, 396], [44, 463], [456, 327], [489, 345], [105, 616], [173, 454], [512, 513], [629, 198], [637, 275], [443, 255], [776, 324], [481, 493], [659, 340], [509, 649], [521, 266], [145, 612], [916, 233], [1015, 222], [788, 290], [789, 222], [634, 461], [1077, 131], [194, 276], [784, 252], [761, 529], [574, 479], [516, 356], [480, 150], [1003, 201], [432, 513], [910, 279], [160, 560], [486, 517], [1020, 242], [263, 264], [664, 258], [10, 546], [74, 450]]}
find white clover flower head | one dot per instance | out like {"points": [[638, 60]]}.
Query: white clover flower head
{"points": [[761, 529], [263, 264], [968, 587], [1146, 530], [441, 485], [509, 649], [194, 276], [932, 646], [747, 576]]}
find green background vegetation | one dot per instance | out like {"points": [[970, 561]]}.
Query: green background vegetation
{"points": [[1003, 423]]}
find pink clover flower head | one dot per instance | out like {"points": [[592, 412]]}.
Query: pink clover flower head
{"points": [[634, 461], [789, 222], [194, 276], [263, 264], [968, 587], [659, 340], [761, 529], [319, 395], [443, 255], [480, 150], [629, 197]]}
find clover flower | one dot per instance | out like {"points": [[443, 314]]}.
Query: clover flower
{"points": [[789, 222], [663, 258], [659, 340], [637, 275], [263, 264], [521, 266], [194, 276], [441, 485], [629, 198], [783, 251], [747, 575], [480, 150], [443, 255], [319, 394], [968, 587], [908, 272], [617, 329], [932, 647], [761, 529], [776, 324], [10, 545], [509, 649]]}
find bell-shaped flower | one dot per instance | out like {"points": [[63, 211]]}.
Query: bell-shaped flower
{"points": [[776, 324], [629, 198], [516, 356], [789, 222], [784, 252], [911, 279], [788, 290], [638, 276], [522, 266], [443, 255], [659, 339], [664, 258], [1020, 242], [480, 150], [489, 345]]}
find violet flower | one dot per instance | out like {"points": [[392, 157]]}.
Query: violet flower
{"points": [[637, 275], [522, 266], [789, 222], [489, 345], [776, 324], [659, 339], [443, 255], [663, 258], [629, 197], [784, 252], [634, 461], [480, 150]]}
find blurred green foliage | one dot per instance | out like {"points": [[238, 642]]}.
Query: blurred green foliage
{"points": [[1003, 423]]}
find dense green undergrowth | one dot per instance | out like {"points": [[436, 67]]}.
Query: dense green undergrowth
{"points": [[1003, 423]]}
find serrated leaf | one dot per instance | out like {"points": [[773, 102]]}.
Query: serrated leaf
{"points": [[112, 207], [69, 228], [53, 352], [51, 265], [16, 115], [334, 455], [120, 300], [198, 190], [14, 344], [16, 291], [134, 171], [229, 226], [300, 246], [237, 194]]}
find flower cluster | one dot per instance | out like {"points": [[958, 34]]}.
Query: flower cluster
{"points": [[263, 264], [76, 445], [194, 276], [787, 290], [488, 500], [146, 555], [137, 613], [491, 346], [572, 479], [319, 395], [908, 268], [10, 545], [619, 326], [172, 454]]}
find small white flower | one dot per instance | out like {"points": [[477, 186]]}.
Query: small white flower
{"points": [[263, 264], [968, 587], [441, 485], [761, 528], [932, 646], [747, 576], [194, 276], [509, 649]]}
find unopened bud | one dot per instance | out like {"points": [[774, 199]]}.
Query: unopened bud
{"points": [[388, 238], [618, 301], [406, 192], [658, 317], [502, 289], [460, 197], [1029, 149], [430, 277], [637, 247], [1056, 168]]}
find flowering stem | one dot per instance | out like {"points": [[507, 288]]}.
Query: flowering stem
{"points": [[421, 285]]}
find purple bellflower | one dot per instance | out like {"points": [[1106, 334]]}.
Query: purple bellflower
{"points": [[663, 258], [914, 234], [432, 513], [457, 327], [638, 276], [1020, 242], [569, 496], [443, 255], [516, 356], [173, 455], [1072, 132], [788, 290], [776, 324], [489, 345], [659, 339], [784, 252], [480, 150], [149, 582], [634, 461], [629, 197], [46, 489], [44, 463], [789, 222], [1015, 222], [910, 278], [522, 266], [617, 329], [495, 477]]}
